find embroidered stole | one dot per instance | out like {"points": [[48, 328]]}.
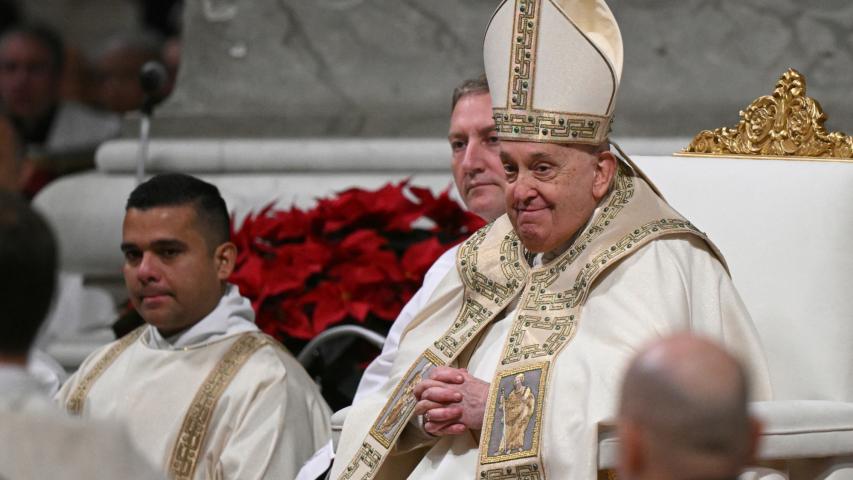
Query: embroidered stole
{"points": [[191, 437], [494, 271]]}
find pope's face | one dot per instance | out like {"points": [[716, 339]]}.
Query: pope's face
{"points": [[174, 278], [477, 168], [553, 189]]}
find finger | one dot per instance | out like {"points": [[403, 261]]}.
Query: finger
{"points": [[447, 430], [424, 406], [447, 375], [445, 414], [442, 395], [426, 384]]}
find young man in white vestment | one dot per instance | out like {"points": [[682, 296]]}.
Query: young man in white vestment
{"points": [[479, 178], [683, 413], [38, 439], [203, 392], [517, 355]]}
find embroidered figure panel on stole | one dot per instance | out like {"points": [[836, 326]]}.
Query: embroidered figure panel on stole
{"points": [[512, 430]]}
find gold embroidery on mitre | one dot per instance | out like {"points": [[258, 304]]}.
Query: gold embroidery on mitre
{"points": [[786, 123], [191, 436], [519, 120], [78, 398], [554, 127], [523, 54]]}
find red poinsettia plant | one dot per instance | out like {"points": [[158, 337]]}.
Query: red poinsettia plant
{"points": [[355, 258]]}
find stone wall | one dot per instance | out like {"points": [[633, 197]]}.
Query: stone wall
{"points": [[272, 68]]}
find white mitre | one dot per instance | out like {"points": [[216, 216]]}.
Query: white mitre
{"points": [[553, 68]]}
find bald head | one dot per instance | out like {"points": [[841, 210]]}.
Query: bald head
{"points": [[684, 399]]}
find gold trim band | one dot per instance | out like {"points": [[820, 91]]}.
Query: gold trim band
{"points": [[77, 400], [191, 437], [552, 127]]}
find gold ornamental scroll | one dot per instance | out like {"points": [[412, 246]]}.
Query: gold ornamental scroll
{"points": [[548, 317], [786, 123]]}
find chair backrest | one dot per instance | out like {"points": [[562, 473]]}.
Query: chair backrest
{"points": [[785, 228]]}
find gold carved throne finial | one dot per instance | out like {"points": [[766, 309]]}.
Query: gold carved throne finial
{"points": [[785, 124]]}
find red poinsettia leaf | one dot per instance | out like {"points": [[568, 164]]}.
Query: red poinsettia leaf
{"points": [[384, 302], [363, 240], [292, 321], [358, 310], [249, 277], [420, 256]]}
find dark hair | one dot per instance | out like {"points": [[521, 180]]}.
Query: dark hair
{"points": [[44, 35], [10, 14], [28, 266], [468, 87], [177, 189]]}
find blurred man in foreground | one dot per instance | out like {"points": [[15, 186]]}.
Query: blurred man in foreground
{"points": [[683, 413], [38, 440]]}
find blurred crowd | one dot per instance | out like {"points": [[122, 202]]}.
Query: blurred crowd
{"points": [[57, 104]]}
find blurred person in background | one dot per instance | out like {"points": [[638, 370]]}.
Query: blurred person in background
{"points": [[117, 67], [59, 136]]}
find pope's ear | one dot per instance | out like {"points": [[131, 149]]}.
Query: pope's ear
{"points": [[225, 257], [605, 170]]}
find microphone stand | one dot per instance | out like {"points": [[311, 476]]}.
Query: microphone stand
{"points": [[152, 78], [144, 130]]}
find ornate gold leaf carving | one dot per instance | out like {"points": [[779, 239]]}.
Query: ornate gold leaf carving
{"points": [[786, 124]]}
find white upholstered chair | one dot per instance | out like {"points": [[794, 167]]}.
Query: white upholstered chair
{"points": [[785, 227]]}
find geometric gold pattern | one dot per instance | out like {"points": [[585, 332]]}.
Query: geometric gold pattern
{"points": [[525, 28], [519, 120], [520, 472], [540, 125], [191, 437], [366, 455], [786, 123]]}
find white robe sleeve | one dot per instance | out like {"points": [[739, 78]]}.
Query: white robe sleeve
{"points": [[283, 426], [379, 370]]}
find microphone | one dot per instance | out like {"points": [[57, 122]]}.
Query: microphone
{"points": [[152, 79]]}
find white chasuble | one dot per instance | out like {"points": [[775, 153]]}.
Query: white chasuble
{"points": [[40, 441], [268, 420], [673, 282]]}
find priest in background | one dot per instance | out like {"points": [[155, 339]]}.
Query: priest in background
{"points": [[38, 440], [204, 393], [479, 178]]}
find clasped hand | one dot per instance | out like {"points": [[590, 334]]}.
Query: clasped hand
{"points": [[452, 401]]}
